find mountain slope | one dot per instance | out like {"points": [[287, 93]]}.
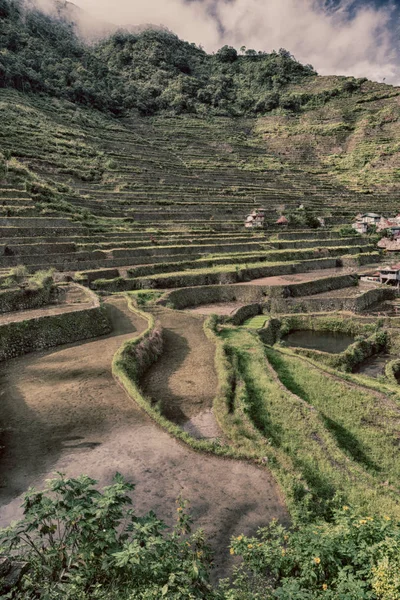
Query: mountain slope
{"points": [[209, 136]]}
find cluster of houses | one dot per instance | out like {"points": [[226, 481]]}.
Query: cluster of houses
{"points": [[257, 219], [391, 243], [364, 222]]}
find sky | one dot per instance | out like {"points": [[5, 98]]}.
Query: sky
{"points": [[342, 37]]}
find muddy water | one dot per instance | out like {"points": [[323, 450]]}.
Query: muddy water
{"points": [[374, 366], [325, 341]]}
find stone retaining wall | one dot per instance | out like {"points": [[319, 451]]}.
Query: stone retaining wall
{"points": [[245, 312], [351, 303], [233, 275], [195, 296], [25, 299], [20, 337]]}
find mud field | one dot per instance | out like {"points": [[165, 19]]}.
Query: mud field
{"points": [[219, 308], [300, 277], [63, 411], [184, 381]]}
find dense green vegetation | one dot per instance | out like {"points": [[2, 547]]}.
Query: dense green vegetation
{"points": [[80, 543], [153, 71], [319, 459]]}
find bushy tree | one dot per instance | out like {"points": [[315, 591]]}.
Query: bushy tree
{"points": [[227, 54], [139, 71]]}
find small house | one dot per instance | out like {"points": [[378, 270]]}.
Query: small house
{"points": [[390, 274], [255, 218], [370, 218], [282, 221], [360, 227]]}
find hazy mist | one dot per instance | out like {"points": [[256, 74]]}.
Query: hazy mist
{"points": [[343, 40]]}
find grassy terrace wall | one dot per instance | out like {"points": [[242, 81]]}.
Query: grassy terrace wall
{"points": [[307, 234], [135, 356], [36, 249], [188, 249], [265, 419], [315, 304], [195, 296], [309, 288], [131, 362], [245, 312], [25, 299], [250, 294], [213, 261], [87, 277], [18, 338], [392, 371], [237, 274], [357, 260], [307, 243]]}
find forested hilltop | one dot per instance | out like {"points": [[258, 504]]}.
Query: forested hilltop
{"points": [[152, 71]]}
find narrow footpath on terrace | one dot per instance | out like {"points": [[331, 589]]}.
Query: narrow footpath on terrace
{"points": [[62, 411]]}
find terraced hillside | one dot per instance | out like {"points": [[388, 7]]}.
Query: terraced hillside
{"points": [[83, 191], [249, 370]]}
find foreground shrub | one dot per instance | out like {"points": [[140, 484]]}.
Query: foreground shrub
{"points": [[83, 544], [352, 558], [80, 543]]}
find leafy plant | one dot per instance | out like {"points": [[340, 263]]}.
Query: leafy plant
{"points": [[355, 557], [83, 543]]}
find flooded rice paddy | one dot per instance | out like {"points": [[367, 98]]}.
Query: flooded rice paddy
{"points": [[325, 341]]}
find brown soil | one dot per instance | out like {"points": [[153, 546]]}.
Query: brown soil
{"points": [[184, 381], [299, 277], [219, 308], [310, 276], [63, 411]]}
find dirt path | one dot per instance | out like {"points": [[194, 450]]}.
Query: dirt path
{"points": [[61, 410], [183, 380], [299, 277]]}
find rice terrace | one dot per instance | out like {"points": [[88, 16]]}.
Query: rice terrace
{"points": [[199, 320]]}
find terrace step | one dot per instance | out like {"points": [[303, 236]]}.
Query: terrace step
{"points": [[39, 222], [37, 249], [13, 192], [7, 233]]}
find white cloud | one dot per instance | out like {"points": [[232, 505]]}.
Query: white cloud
{"points": [[333, 44]]}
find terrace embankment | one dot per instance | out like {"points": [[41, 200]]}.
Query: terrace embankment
{"points": [[301, 277], [71, 297], [61, 410]]}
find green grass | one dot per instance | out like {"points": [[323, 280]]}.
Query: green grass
{"points": [[364, 424], [255, 322], [313, 467]]}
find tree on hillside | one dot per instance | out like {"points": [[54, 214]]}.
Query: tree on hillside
{"points": [[227, 54]]}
